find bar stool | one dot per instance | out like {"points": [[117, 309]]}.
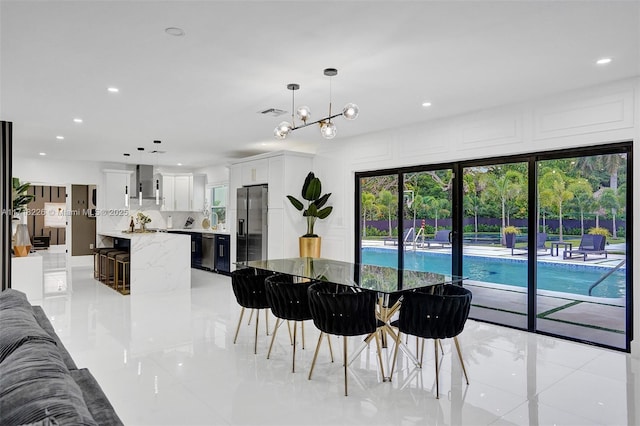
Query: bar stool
{"points": [[104, 267], [111, 267], [97, 261], [122, 261]]}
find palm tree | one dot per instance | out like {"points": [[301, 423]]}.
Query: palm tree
{"points": [[554, 193], [387, 199], [506, 187], [609, 200], [368, 206], [582, 198]]}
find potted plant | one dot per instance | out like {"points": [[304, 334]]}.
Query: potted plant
{"points": [[315, 209], [21, 242], [510, 233]]}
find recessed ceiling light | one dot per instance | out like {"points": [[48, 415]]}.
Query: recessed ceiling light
{"points": [[43, 153], [603, 61], [113, 89], [426, 104], [174, 31], [179, 164], [60, 138], [77, 120]]}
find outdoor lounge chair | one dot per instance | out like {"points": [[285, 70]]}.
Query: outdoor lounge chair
{"points": [[589, 244], [541, 244], [442, 237]]}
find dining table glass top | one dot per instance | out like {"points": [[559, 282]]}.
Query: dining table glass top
{"points": [[383, 279]]}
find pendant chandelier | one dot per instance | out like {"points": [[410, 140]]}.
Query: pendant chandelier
{"points": [[327, 127]]}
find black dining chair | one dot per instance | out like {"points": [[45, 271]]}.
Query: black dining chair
{"points": [[344, 311], [435, 316], [250, 291], [289, 301]]}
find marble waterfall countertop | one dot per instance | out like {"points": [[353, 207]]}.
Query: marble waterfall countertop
{"points": [[159, 261]]}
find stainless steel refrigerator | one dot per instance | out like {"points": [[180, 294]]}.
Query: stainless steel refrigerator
{"points": [[251, 229]]}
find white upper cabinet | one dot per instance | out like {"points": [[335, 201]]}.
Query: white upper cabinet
{"points": [[198, 199], [255, 172], [182, 192], [168, 189], [117, 189]]}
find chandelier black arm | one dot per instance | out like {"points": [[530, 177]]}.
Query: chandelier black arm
{"points": [[317, 121]]}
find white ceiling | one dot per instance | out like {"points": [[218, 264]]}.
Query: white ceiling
{"points": [[200, 94]]}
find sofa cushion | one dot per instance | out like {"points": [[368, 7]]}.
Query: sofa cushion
{"points": [[99, 406], [35, 384], [18, 323], [44, 322]]}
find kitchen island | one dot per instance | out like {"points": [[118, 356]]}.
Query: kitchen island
{"points": [[159, 261]]}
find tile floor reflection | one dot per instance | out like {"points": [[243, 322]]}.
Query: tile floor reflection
{"points": [[169, 360]]}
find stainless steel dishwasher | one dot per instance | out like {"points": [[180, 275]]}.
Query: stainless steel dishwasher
{"points": [[208, 251]]}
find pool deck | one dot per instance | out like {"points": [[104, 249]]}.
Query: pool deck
{"points": [[593, 319]]}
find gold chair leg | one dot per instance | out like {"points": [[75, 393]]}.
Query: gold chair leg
{"points": [[464, 370], [266, 321], [295, 330], [250, 317], [315, 355], [330, 348], [422, 352], [395, 355], [302, 326], [238, 327], [379, 349], [255, 342], [344, 362], [441, 348], [273, 336], [290, 335], [435, 346]]}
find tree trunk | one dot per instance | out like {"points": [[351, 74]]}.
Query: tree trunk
{"points": [[613, 223], [364, 222]]}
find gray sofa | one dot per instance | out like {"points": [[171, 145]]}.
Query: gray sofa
{"points": [[39, 382]]}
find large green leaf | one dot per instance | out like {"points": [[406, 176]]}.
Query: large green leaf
{"points": [[305, 185], [312, 210], [322, 214], [314, 189], [296, 203], [322, 200]]}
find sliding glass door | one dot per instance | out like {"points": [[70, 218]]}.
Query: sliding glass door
{"points": [[581, 282], [495, 241], [427, 218], [542, 239], [380, 236]]}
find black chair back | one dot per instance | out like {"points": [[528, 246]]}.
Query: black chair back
{"points": [[435, 316], [342, 310], [288, 300], [249, 288]]}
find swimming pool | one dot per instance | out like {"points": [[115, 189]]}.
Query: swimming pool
{"points": [[566, 278]]}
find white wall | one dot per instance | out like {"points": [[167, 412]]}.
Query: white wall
{"points": [[596, 115], [43, 171]]}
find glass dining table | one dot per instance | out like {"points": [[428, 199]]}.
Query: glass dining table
{"points": [[388, 282], [385, 280]]}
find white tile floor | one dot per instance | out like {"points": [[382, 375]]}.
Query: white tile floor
{"points": [[170, 360]]}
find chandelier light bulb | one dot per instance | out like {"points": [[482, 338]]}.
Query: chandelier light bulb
{"points": [[328, 130], [350, 111], [283, 129], [303, 113], [278, 134]]}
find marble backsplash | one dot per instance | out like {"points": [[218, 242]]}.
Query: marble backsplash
{"points": [[159, 219]]}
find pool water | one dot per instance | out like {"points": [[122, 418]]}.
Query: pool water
{"points": [[566, 278]]}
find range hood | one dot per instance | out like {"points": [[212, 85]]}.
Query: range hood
{"points": [[144, 179]]}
